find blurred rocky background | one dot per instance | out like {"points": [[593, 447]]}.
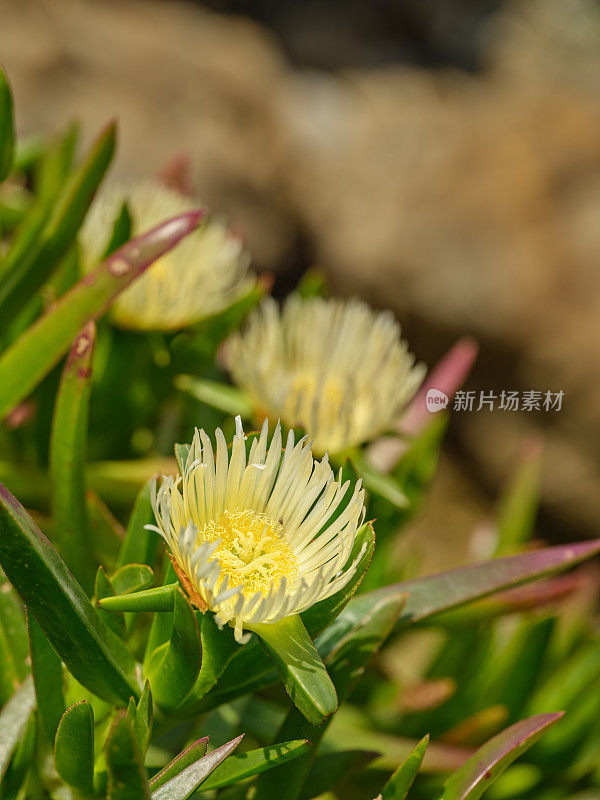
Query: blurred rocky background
{"points": [[439, 158]]}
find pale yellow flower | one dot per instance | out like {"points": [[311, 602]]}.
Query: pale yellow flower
{"points": [[335, 368], [201, 276], [254, 536]]}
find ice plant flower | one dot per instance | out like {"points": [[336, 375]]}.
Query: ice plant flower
{"points": [[335, 368], [258, 536], [202, 276]]}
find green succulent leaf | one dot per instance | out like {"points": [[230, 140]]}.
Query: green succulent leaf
{"points": [[127, 778], [386, 486], [174, 666], [161, 598], [513, 669], [141, 718], [53, 172], [399, 784], [74, 747], [48, 680], [121, 231], [162, 624], [132, 578], [186, 782], [68, 443], [139, 545], [568, 682], [56, 163], [241, 766], [106, 531], [7, 677], [185, 759], [345, 663], [92, 653], [218, 648], [471, 780], [7, 128], [34, 354], [573, 747], [104, 589], [320, 615], [299, 664], [58, 234], [518, 504], [14, 204], [30, 150], [349, 657], [418, 464], [14, 718], [312, 284], [21, 763], [226, 398], [14, 644]]}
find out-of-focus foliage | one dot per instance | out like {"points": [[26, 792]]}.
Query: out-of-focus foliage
{"points": [[113, 684]]}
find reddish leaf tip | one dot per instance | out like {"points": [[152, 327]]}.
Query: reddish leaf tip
{"points": [[7, 498], [176, 174], [466, 346], [110, 127], [533, 446], [556, 715], [579, 549], [173, 229], [139, 253], [447, 376]]}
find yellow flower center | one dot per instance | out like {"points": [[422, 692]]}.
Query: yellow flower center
{"points": [[252, 551]]}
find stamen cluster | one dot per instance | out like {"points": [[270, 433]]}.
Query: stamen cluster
{"points": [[258, 535]]}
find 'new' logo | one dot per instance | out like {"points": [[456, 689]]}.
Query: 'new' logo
{"points": [[436, 400]]}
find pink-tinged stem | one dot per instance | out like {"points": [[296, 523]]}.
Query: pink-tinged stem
{"points": [[447, 376]]}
